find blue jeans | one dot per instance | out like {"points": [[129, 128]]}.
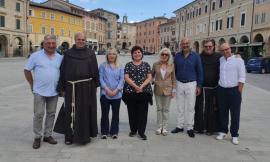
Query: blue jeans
{"points": [[105, 108]]}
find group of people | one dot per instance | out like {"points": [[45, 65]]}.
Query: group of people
{"points": [[206, 87]]}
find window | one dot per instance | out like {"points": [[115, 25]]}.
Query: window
{"points": [[200, 11], [230, 20], [62, 18], [52, 16], [2, 3], [2, 21], [263, 18], [213, 6], [218, 25], [62, 32], [31, 13], [220, 3], [18, 24], [18, 7], [43, 14], [205, 9], [43, 30], [30, 28], [243, 19], [232, 1], [257, 18], [52, 31]]}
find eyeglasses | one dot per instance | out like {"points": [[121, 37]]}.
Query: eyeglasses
{"points": [[164, 54], [208, 46], [226, 49]]}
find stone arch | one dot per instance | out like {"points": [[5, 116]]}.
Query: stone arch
{"points": [[244, 39], [196, 46], [3, 46], [18, 47], [221, 41], [124, 45], [258, 38], [232, 40]]}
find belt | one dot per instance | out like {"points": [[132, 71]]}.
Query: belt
{"points": [[186, 81], [73, 102]]}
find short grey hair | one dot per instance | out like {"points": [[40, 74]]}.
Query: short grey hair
{"points": [[80, 33], [46, 37]]}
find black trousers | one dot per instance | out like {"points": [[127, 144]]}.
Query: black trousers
{"points": [[105, 109], [229, 101], [206, 112], [137, 113]]}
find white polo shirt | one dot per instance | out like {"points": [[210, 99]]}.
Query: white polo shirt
{"points": [[232, 71]]}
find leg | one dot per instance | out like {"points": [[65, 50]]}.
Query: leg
{"points": [[142, 116], [235, 111], [159, 110], [180, 95], [131, 106], [115, 116], [190, 105], [51, 104], [199, 115], [165, 111], [39, 106], [105, 108], [223, 110]]}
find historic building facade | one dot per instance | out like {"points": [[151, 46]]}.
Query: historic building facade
{"points": [[148, 35], [13, 28], [222, 20], [261, 28], [168, 36], [111, 25], [126, 35], [45, 19]]}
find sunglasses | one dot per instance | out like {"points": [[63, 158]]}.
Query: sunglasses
{"points": [[164, 54], [226, 49]]}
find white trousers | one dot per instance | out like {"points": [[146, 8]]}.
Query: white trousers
{"points": [[185, 99]]}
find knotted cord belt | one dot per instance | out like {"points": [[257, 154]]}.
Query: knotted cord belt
{"points": [[73, 101], [206, 88]]}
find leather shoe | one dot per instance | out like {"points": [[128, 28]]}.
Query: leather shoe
{"points": [[191, 133], [143, 137], [177, 130], [132, 134], [36, 143], [50, 140]]}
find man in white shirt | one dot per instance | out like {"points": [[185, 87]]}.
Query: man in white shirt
{"points": [[231, 83]]}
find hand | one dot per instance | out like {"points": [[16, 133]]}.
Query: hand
{"points": [[240, 89], [138, 89], [198, 91], [62, 94], [109, 92]]}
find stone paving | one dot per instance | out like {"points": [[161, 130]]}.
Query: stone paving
{"points": [[16, 112]]}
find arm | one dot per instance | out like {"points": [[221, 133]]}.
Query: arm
{"points": [[95, 70], [29, 78], [130, 82], [61, 82], [199, 71], [242, 75], [173, 82], [153, 73], [147, 81]]}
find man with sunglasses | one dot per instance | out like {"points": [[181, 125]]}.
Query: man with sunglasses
{"points": [[231, 83], [206, 111]]}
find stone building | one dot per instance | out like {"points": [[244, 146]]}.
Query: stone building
{"points": [[168, 36], [13, 28]]}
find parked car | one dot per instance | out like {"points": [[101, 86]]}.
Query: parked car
{"points": [[101, 52], [259, 64]]}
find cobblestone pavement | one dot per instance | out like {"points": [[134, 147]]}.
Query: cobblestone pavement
{"points": [[16, 112]]}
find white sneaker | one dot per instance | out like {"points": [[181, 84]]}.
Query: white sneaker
{"points": [[221, 136], [235, 140], [158, 131], [164, 132]]}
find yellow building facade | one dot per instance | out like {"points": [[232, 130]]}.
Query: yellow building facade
{"points": [[49, 20]]}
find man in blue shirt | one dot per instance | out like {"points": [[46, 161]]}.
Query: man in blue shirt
{"points": [[45, 65], [189, 76]]}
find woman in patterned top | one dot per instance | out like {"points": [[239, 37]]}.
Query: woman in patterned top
{"points": [[137, 92]]}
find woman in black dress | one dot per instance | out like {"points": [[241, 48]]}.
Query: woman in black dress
{"points": [[137, 92]]}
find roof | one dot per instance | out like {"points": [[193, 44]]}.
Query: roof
{"points": [[51, 8], [67, 2], [154, 18], [101, 9], [184, 6], [168, 23]]}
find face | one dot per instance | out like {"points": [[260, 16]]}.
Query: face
{"points": [[137, 55], [80, 41], [111, 57], [49, 46], [185, 45], [226, 50], [164, 56], [208, 48]]}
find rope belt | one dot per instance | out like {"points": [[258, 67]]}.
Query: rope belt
{"points": [[206, 88], [73, 101]]}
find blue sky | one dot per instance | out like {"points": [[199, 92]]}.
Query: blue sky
{"points": [[136, 10]]}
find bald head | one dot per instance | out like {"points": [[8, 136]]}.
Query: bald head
{"points": [[185, 45], [80, 40], [226, 50]]}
